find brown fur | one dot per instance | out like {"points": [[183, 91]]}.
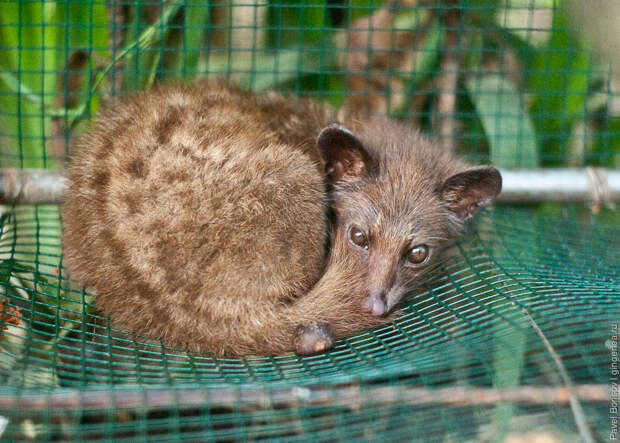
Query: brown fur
{"points": [[199, 215]]}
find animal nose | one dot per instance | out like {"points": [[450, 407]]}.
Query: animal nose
{"points": [[375, 304]]}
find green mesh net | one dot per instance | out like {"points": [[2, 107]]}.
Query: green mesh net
{"points": [[516, 337], [459, 363]]}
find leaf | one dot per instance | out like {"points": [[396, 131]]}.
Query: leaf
{"points": [[362, 8], [528, 20], [509, 131], [55, 315], [508, 361], [87, 30], [32, 376], [606, 144], [145, 39], [298, 23], [283, 66], [558, 76], [4, 219], [31, 39], [143, 59], [196, 19], [88, 27], [313, 20], [423, 65], [20, 89], [38, 286]]}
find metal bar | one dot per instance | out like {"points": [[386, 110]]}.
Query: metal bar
{"points": [[594, 185], [353, 396], [32, 186]]}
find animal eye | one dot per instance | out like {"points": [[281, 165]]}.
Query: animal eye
{"points": [[358, 238], [417, 254]]}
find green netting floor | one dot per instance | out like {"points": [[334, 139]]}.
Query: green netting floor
{"points": [[474, 333]]}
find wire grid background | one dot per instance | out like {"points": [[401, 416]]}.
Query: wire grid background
{"points": [[507, 82]]}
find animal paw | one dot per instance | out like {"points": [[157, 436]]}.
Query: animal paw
{"points": [[313, 338]]}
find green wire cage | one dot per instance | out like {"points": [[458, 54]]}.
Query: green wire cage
{"points": [[515, 339]]}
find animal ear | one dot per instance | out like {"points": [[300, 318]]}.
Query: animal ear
{"points": [[344, 154], [468, 190]]}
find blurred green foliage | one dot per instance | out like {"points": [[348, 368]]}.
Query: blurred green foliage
{"points": [[528, 91]]}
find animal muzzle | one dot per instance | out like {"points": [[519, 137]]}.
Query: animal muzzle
{"points": [[382, 275], [375, 303]]}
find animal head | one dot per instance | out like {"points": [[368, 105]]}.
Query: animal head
{"points": [[398, 198]]}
